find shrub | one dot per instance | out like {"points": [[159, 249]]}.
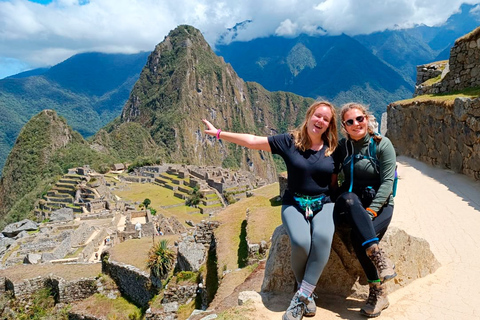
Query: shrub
{"points": [[160, 259]]}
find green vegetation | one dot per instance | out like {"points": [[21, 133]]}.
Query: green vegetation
{"points": [[45, 149], [106, 308], [194, 198], [160, 259], [146, 202], [187, 276], [447, 98], [42, 306], [431, 81]]}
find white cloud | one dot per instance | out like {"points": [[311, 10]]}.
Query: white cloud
{"points": [[286, 28], [39, 35]]}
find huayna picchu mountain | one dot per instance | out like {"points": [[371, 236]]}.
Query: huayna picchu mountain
{"points": [[185, 81], [45, 148]]}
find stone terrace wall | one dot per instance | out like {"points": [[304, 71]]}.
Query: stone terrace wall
{"points": [[463, 67], [65, 291], [438, 134], [132, 282]]}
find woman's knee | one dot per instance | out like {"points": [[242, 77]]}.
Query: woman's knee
{"points": [[347, 199], [301, 244]]}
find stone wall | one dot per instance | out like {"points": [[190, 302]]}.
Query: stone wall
{"points": [[439, 134], [64, 291], [132, 282], [181, 294], [463, 70], [92, 246], [204, 232], [430, 71]]}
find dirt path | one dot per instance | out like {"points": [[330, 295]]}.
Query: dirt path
{"points": [[443, 208]]}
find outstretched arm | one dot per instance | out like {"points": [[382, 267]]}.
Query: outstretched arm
{"points": [[243, 139]]}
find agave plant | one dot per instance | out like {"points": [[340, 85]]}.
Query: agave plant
{"points": [[160, 259]]}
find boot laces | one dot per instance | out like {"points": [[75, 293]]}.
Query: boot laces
{"points": [[379, 259], [373, 295]]}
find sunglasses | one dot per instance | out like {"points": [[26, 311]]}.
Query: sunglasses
{"points": [[350, 122]]}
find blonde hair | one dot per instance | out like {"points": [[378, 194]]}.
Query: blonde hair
{"points": [[301, 137], [372, 122]]}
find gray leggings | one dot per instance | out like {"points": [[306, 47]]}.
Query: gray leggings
{"points": [[311, 241]]}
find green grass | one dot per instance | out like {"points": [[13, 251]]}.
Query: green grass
{"points": [[263, 219], [137, 192], [105, 308], [431, 81], [74, 254], [135, 251], [448, 98]]}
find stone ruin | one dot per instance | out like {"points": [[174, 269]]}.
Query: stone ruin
{"points": [[237, 183], [461, 71], [81, 189]]}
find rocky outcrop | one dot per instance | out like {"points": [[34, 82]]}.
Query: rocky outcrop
{"points": [[191, 255], [14, 229], [437, 133], [343, 274]]}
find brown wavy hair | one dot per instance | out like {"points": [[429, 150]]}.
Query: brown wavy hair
{"points": [[303, 141], [372, 122]]}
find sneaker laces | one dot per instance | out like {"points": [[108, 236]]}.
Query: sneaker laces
{"points": [[296, 305], [296, 308]]}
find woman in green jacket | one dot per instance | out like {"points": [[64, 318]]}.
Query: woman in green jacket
{"points": [[365, 202]]}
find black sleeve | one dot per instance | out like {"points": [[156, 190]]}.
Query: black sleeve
{"points": [[280, 143]]}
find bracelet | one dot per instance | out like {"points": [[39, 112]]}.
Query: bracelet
{"points": [[371, 211], [218, 133]]}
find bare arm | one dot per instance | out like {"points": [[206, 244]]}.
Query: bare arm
{"points": [[243, 139]]}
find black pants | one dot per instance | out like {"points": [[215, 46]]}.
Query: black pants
{"points": [[365, 231]]}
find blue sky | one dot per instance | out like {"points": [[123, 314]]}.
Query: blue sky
{"points": [[41, 1], [40, 33]]}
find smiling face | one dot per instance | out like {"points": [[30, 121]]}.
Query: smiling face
{"points": [[319, 122], [356, 127]]}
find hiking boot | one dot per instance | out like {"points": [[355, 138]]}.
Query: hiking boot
{"points": [[310, 306], [385, 267], [296, 308], [377, 300]]}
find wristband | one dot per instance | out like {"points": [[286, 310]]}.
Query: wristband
{"points": [[218, 133], [372, 212]]}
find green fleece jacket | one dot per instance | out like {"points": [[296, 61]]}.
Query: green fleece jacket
{"points": [[364, 173]]}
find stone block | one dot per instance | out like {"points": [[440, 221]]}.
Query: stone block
{"points": [[15, 228], [191, 256], [343, 274]]}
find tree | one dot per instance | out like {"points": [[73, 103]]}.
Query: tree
{"points": [[160, 259], [146, 203], [194, 198]]}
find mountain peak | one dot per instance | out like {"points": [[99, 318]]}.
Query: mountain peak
{"points": [[183, 82], [29, 162]]}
